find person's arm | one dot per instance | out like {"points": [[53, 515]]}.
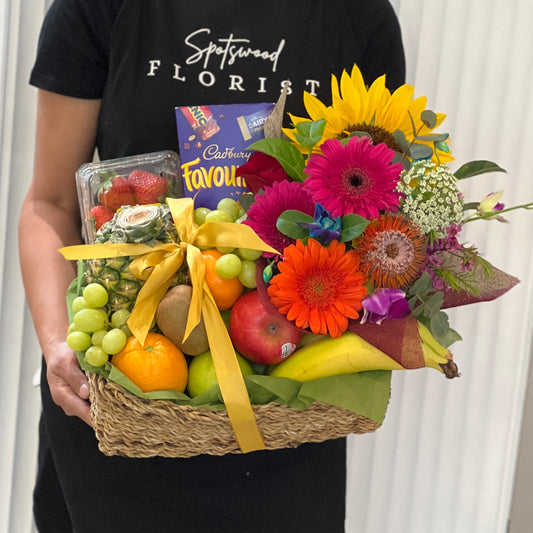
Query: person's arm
{"points": [[65, 139]]}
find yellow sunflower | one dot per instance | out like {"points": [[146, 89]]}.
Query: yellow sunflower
{"points": [[373, 110]]}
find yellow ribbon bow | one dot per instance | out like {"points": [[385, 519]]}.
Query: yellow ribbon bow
{"points": [[156, 265]]}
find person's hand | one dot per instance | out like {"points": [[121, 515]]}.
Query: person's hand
{"points": [[68, 385]]}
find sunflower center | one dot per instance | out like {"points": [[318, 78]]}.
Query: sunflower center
{"points": [[378, 134], [318, 289]]}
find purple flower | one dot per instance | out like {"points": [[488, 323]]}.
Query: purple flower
{"points": [[385, 303]]}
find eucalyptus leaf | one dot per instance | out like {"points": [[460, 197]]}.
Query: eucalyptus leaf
{"points": [[440, 325], [289, 157], [475, 168], [401, 140], [352, 226], [288, 222], [421, 151], [422, 285], [429, 118], [416, 310], [449, 338], [435, 302], [432, 137]]}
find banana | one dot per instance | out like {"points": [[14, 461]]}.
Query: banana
{"points": [[435, 355], [346, 354], [350, 353]]}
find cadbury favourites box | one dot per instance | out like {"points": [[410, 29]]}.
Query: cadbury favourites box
{"points": [[213, 142]]}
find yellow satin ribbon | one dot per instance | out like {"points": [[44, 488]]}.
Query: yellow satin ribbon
{"points": [[157, 265]]}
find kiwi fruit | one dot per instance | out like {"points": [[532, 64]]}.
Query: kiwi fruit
{"points": [[171, 318]]}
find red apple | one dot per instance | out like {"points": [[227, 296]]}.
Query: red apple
{"points": [[259, 333]]}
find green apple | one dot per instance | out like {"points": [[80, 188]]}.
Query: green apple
{"points": [[202, 374]]}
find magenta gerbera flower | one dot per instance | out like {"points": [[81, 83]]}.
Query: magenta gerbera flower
{"points": [[358, 177], [264, 212]]}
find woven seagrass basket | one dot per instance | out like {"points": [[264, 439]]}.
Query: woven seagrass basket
{"points": [[130, 426]]}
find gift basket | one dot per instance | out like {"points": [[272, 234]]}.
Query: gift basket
{"points": [[276, 316]]}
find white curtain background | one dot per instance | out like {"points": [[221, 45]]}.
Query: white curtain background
{"points": [[445, 459], [19, 350]]}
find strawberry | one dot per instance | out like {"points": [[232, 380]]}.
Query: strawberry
{"points": [[116, 192], [100, 215], [149, 188]]}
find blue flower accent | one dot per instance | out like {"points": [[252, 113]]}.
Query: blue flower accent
{"points": [[325, 228]]}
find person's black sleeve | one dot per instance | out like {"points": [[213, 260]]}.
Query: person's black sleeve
{"points": [[73, 48]]}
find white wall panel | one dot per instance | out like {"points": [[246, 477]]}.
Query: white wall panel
{"points": [[19, 351]]}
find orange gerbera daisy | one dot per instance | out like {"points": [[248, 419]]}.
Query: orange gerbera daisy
{"points": [[319, 288], [392, 250]]}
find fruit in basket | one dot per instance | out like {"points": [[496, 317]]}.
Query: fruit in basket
{"points": [[228, 266], [224, 291], [90, 320], [116, 192], [247, 274], [148, 188], [78, 304], [99, 215], [200, 213], [148, 224], [202, 375], [171, 318], [231, 206], [120, 318], [329, 356], [350, 353], [113, 341], [95, 295], [158, 364], [261, 334], [96, 356], [219, 215], [78, 341]]}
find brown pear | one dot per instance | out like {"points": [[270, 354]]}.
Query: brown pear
{"points": [[171, 317]]}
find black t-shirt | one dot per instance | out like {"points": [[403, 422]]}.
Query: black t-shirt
{"points": [[145, 57]]}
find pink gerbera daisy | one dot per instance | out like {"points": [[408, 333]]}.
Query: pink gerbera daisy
{"points": [[264, 212], [354, 178]]}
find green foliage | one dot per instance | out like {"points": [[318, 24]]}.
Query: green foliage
{"points": [[288, 222], [429, 118], [289, 157], [352, 226], [475, 168], [426, 304], [402, 142], [308, 134], [246, 200], [421, 151]]}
